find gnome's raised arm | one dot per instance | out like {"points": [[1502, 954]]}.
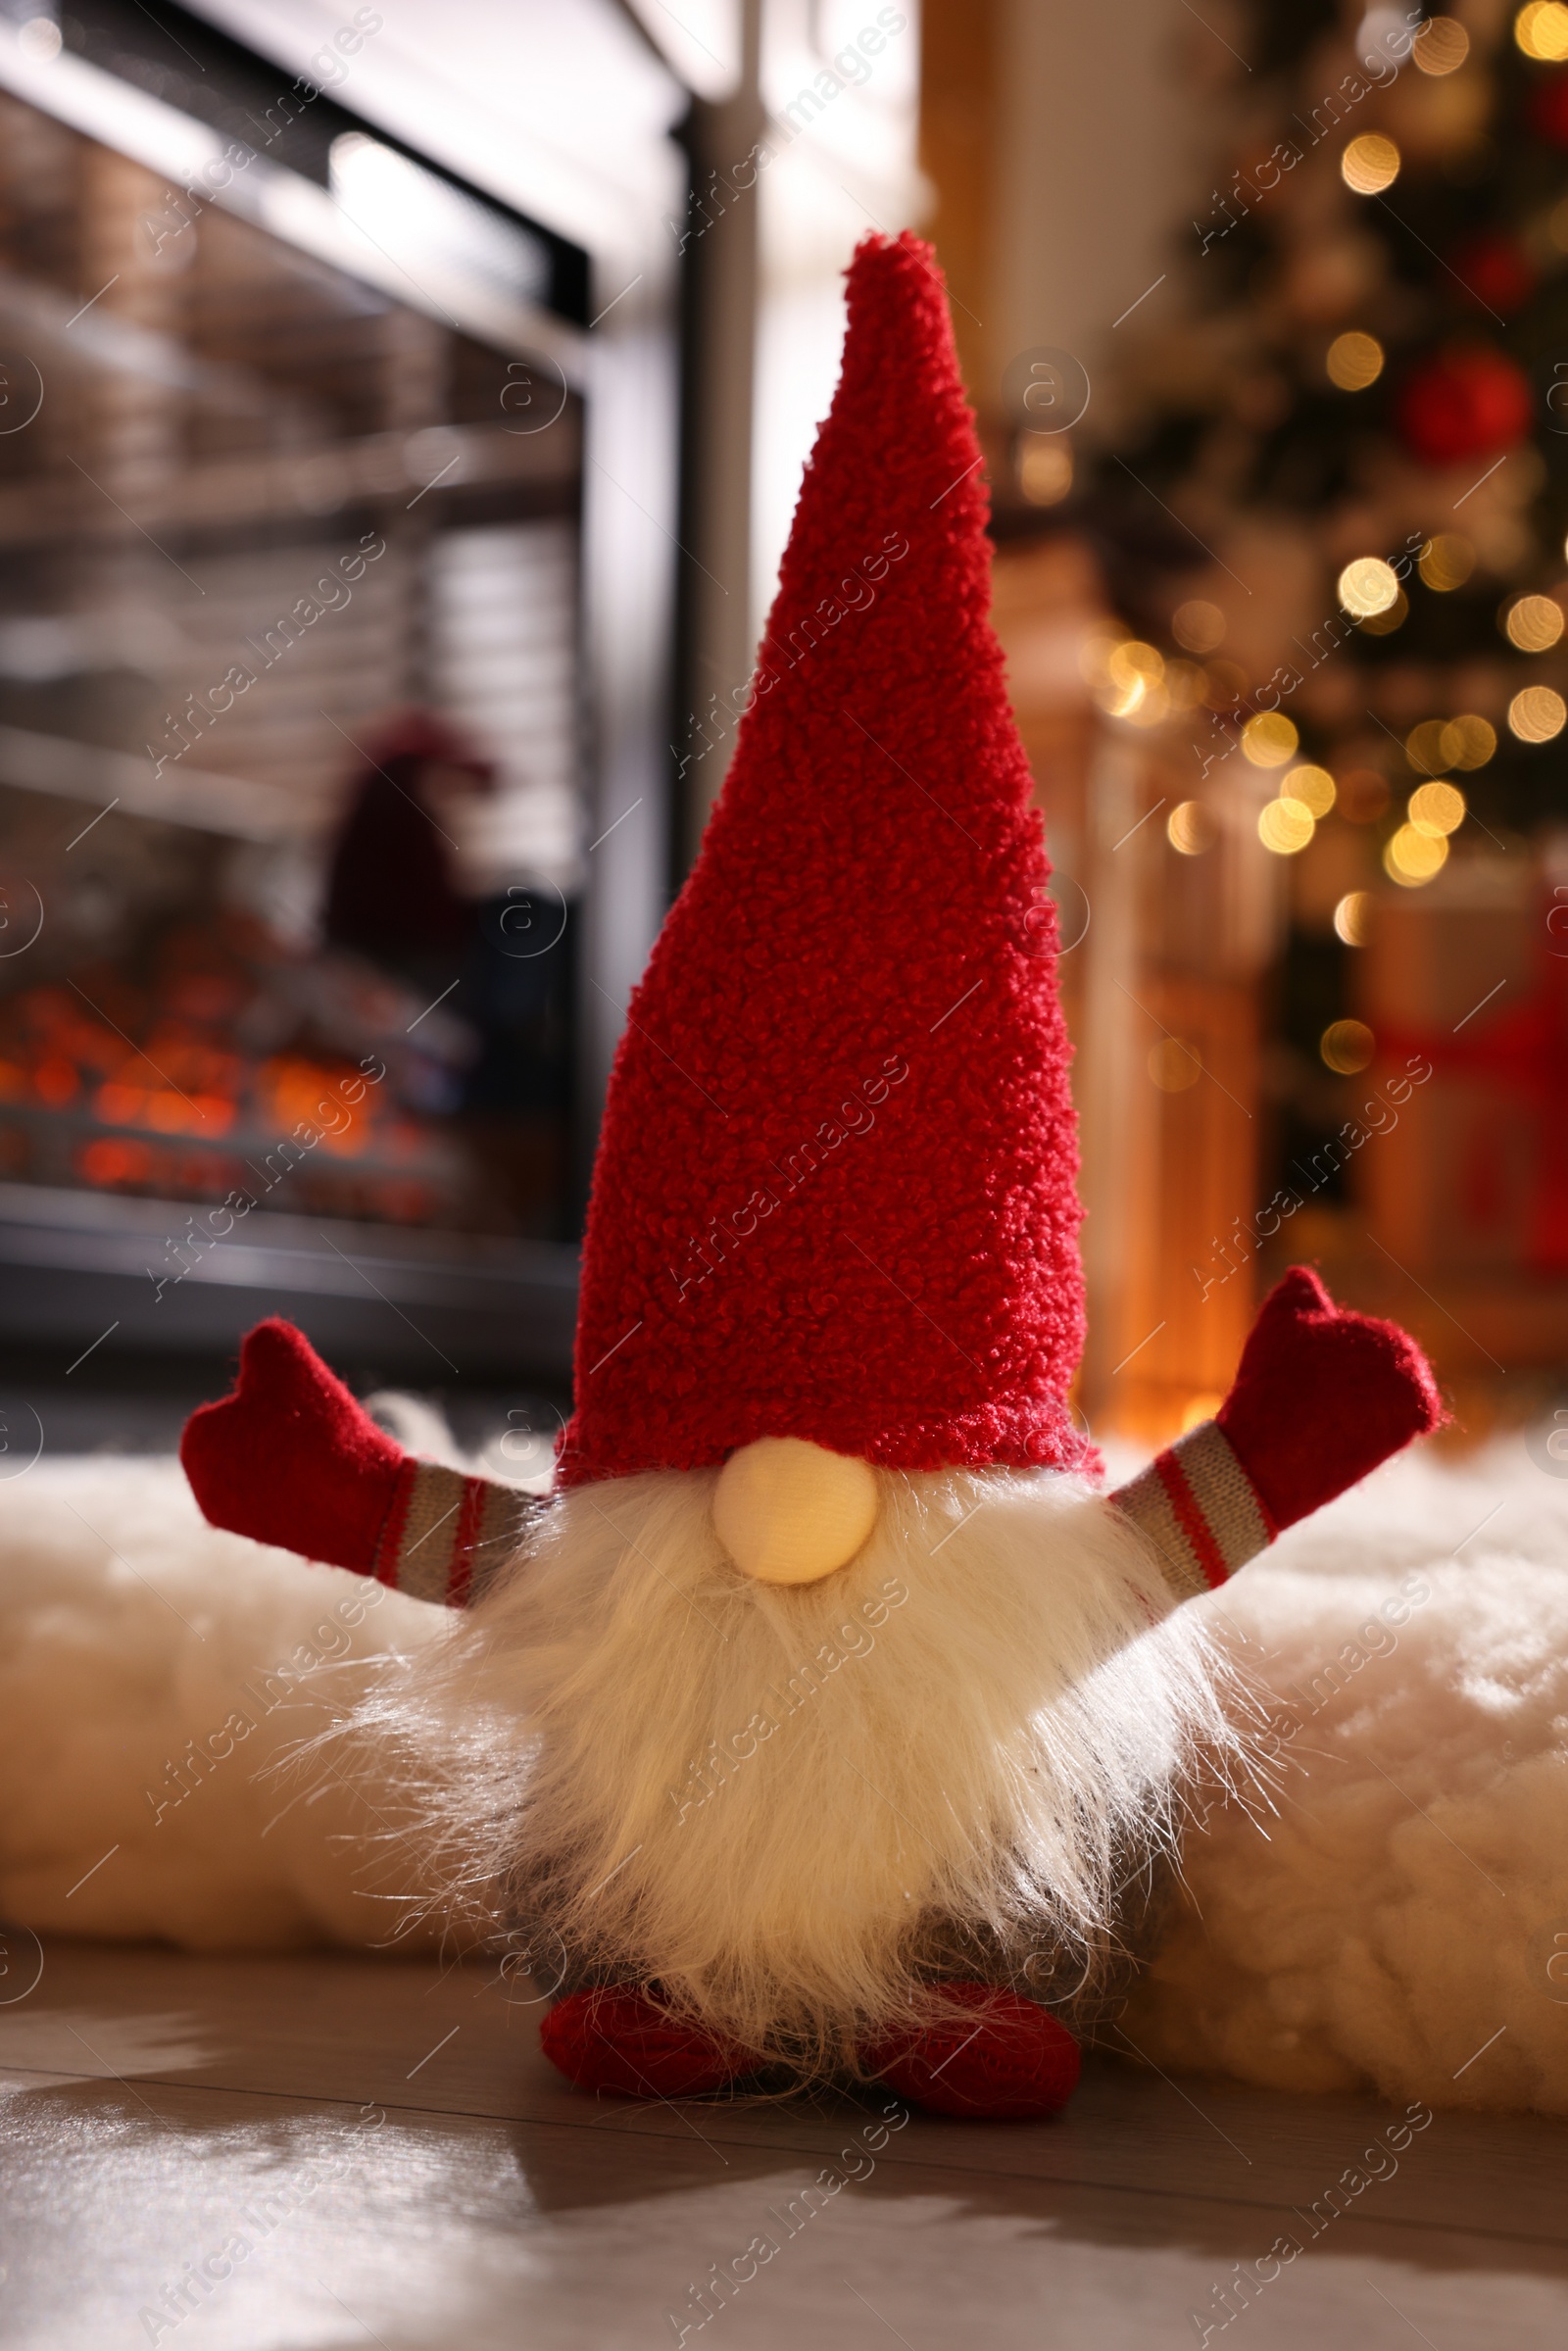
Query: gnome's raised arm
{"points": [[291, 1458], [1320, 1399]]}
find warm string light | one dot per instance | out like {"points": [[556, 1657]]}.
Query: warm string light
{"points": [[1533, 623], [1441, 46], [1536, 713], [1423, 747], [1286, 826], [1436, 809], [1440, 750], [1314, 787], [1346, 1047], [1127, 678], [1368, 587], [1268, 739], [1186, 684], [1287, 823], [1466, 742], [1174, 1065], [1133, 681], [1382, 624], [1418, 849], [1446, 561], [1371, 163], [1190, 828], [1353, 917], [1411, 856], [1044, 468], [1541, 30], [1439, 743], [1353, 361], [1198, 626]]}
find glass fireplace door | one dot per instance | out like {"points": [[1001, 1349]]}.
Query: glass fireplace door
{"points": [[290, 623]]}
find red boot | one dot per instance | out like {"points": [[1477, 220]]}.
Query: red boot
{"points": [[998, 2059], [621, 2039]]}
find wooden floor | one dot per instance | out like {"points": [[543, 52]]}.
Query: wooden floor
{"points": [[387, 2159]]}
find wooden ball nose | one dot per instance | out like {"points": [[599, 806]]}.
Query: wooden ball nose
{"points": [[788, 1511]]}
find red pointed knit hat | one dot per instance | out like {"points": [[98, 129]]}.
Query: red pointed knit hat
{"points": [[835, 1192]]}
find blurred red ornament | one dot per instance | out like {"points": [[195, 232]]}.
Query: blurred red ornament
{"points": [[1495, 270], [1465, 403], [1548, 112]]}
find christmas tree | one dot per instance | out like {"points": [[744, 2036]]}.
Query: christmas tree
{"points": [[1333, 514]]}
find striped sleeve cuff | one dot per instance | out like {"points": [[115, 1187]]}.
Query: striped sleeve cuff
{"points": [[1199, 1509], [446, 1534]]}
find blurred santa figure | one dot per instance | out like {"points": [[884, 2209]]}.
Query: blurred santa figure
{"points": [[498, 957], [829, 1719], [392, 891]]}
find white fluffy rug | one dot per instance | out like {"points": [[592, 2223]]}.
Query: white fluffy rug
{"points": [[1401, 1917], [151, 1669]]}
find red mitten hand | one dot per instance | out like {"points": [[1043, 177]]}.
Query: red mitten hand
{"points": [[290, 1457], [1321, 1396]]}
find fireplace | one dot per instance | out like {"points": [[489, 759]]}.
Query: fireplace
{"points": [[294, 437]]}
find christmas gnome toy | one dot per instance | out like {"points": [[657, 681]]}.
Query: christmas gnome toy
{"points": [[821, 1720]]}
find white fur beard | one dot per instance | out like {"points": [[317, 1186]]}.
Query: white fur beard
{"points": [[768, 1801]]}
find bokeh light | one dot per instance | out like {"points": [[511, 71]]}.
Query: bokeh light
{"points": [[1354, 361], [1437, 809], [1466, 742], [1541, 30], [1174, 1065], [1191, 828], [1371, 163], [1269, 739], [1536, 713], [1197, 626], [1423, 747], [1533, 622], [1044, 468], [1347, 1046], [1187, 685], [1313, 786], [1368, 586], [1134, 663], [1441, 46], [1228, 684], [1446, 561], [1353, 917], [40, 39], [1412, 858], [1286, 826], [1128, 678], [1382, 624]]}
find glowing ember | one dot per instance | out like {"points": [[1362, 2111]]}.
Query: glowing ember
{"points": [[232, 1067]]}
